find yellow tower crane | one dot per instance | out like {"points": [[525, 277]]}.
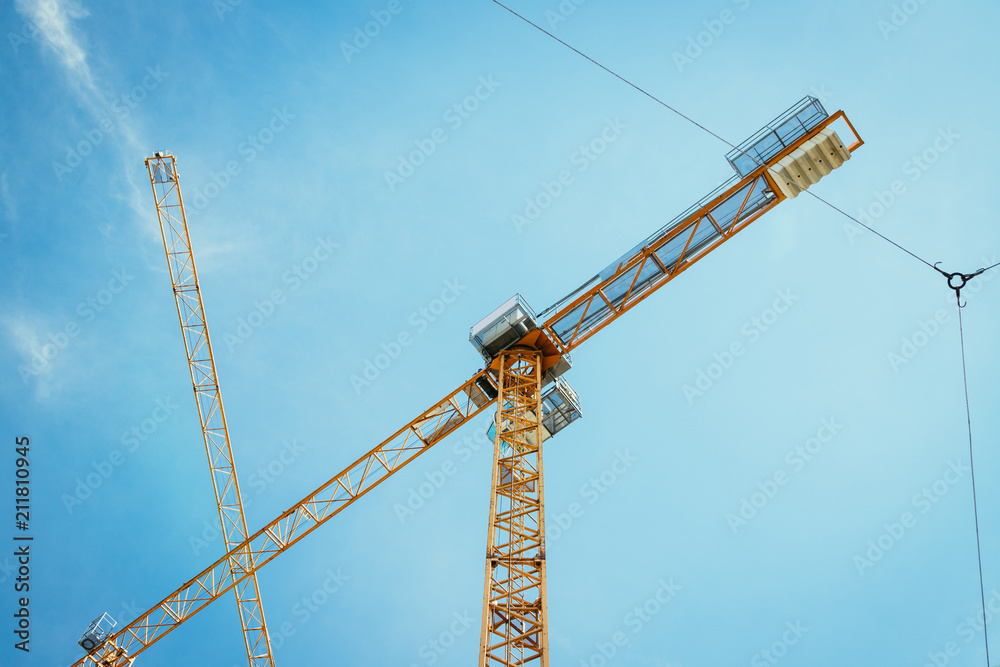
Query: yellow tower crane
{"points": [[527, 355]]}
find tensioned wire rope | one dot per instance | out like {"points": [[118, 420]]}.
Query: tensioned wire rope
{"points": [[873, 231]]}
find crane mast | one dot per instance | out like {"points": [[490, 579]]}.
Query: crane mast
{"points": [[165, 183], [515, 624], [526, 356]]}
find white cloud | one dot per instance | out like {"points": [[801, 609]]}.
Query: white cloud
{"points": [[35, 368], [53, 19]]}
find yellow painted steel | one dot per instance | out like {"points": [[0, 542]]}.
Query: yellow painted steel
{"points": [[406, 444], [430, 427], [198, 347], [589, 300], [515, 623]]}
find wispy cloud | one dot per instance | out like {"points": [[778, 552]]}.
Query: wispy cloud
{"points": [[60, 33], [9, 203], [34, 368], [53, 18], [40, 344]]}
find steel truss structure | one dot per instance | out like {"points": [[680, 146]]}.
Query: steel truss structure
{"points": [[406, 444], [515, 625], [163, 177]]}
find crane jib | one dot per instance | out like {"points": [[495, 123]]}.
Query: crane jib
{"points": [[790, 153]]}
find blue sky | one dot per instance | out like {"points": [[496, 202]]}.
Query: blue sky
{"points": [[284, 138]]}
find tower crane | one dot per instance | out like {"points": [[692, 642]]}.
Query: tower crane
{"points": [[527, 356]]}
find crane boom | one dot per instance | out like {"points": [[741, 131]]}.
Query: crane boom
{"points": [[695, 233], [775, 164], [166, 187], [409, 442]]}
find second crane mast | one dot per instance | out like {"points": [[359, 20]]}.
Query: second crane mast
{"points": [[163, 177]]}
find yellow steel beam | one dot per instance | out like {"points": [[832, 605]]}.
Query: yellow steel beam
{"points": [[406, 444], [515, 623], [601, 302], [201, 362]]}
